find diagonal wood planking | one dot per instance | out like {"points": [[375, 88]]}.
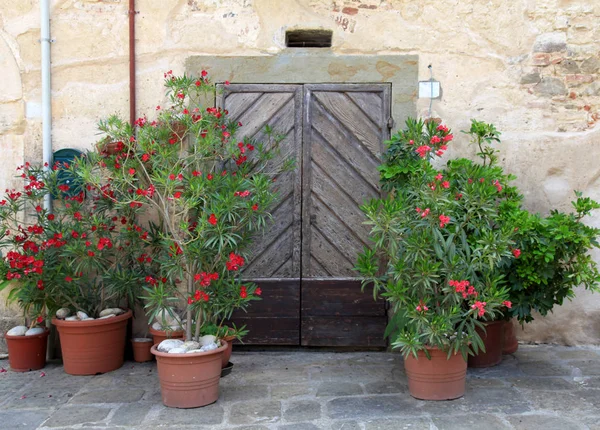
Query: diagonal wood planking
{"points": [[276, 252], [344, 128]]}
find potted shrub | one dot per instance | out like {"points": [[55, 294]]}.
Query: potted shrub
{"points": [[433, 264], [204, 196], [553, 259], [73, 262]]}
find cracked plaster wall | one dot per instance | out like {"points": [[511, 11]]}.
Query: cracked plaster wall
{"points": [[529, 66]]}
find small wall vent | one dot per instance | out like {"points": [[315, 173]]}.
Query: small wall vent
{"points": [[308, 38]]}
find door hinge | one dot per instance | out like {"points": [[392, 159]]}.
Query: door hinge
{"points": [[391, 123]]}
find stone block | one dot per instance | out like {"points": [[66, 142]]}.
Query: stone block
{"points": [[365, 407], [531, 78], [208, 415], [550, 42], [345, 425], [578, 354], [547, 384], [470, 422], [385, 387], [23, 420], [544, 368], [256, 412], [302, 410], [540, 59], [336, 389], [399, 424], [109, 396], [591, 65], [299, 426], [546, 422], [550, 87], [568, 66], [130, 414], [280, 392], [493, 400], [236, 393], [73, 415], [576, 80]]}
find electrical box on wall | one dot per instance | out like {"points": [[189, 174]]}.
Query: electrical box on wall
{"points": [[429, 89]]}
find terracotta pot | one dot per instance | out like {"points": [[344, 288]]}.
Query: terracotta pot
{"points": [[109, 148], [227, 353], [141, 349], [510, 339], [493, 339], [437, 379], [189, 380], [160, 335], [94, 346], [27, 353]]}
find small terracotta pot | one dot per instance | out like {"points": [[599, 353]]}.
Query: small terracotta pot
{"points": [[511, 344], [493, 339], [160, 335], [141, 349], [94, 346], [189, 380], [440, 378], [27, 353], [227, 353]]}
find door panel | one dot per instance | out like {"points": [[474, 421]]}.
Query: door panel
{"points": [[274, 257]]}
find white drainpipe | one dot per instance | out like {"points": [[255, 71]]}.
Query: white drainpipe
{"points": [[46, 91]]}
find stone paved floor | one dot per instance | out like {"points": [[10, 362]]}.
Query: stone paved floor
{"points": [[540, 387]]}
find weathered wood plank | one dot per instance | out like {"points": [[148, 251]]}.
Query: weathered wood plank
{"points": [[328, 256], [259, 114], [270, 331], [352, 118], [353, 331], [371, 104], [280, 298], [275, 254], [332, 297], [238, 103]]}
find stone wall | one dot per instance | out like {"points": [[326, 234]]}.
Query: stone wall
{"points": [[529, 66]]}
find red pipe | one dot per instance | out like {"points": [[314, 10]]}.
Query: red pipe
{"points": [[132, 61]]}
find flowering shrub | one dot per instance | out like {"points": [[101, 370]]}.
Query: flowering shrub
{"points": [[551, 258], [202, 195], [437, 241], [77, 256]]}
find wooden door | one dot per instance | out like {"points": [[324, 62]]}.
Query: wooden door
{"points": [[275, 255], [303, 263], [343, 133]]}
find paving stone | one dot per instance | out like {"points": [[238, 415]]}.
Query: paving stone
{"points": [[302, 410], [591, 396], [587, 367], [256, 412], [369, 407], [385, 387], [281, 392], [346, 425], [549, 384], [288, 375], [207, 415], [343, 373], [243, 392], [544, 368], [109, 396], [578, 354], [545, 422], [299, 426], [505, 400], [560, 402], [475, 382], [72, 415], [592, 422], [131, 414], [399, 424], [251, 428], [470, 422], [336, 389], [40, 398], [23, 420]]}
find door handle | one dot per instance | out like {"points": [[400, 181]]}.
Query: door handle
{"points": [[313, 219]]}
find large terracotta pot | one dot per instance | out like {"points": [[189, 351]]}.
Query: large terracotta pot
{"points": [[94, 346], [511, 344], [189, 380], [27, 353], [227, 353], [141, 349], [437, 379], [493, 339], [160, 335]]}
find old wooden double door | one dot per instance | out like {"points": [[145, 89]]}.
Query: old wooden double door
{"points": [[304, 261]]}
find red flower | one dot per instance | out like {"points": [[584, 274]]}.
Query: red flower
{"points": [[40, 284], [212, 219], [77, 216], [38, 208], [132, 171], [177, 194], [507, 304], [258, 291], [145, 157], [435, 139], [444, 220], [445, 184], [198, 83], [196, 173], [204, 73], [190, 300], [255, 207], [235, 262], [91, 253], [480, 306], [516, 252], [209, 177], [439, 177], [423, 150], [243, 292], [50, 217], [68, 279], [39, 320]]}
